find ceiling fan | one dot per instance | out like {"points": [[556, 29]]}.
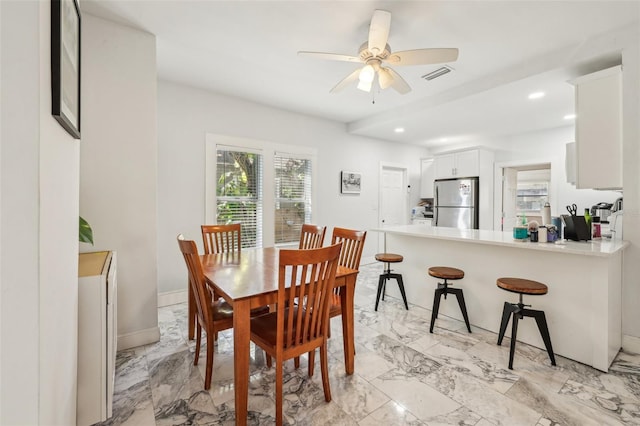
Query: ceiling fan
{"points": [[375, 52]]}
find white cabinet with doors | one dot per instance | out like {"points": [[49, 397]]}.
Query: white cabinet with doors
{"points": [[427, 176], [458, 164], [599, 129]]}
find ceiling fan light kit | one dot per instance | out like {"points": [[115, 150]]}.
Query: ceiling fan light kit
{"points": [[375, 52]]}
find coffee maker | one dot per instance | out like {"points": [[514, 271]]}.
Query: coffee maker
{"points": [[602, 210]]}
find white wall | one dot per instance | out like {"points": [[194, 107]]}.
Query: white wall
{"points": [[118, 178], [39, 230], [549, 147], [186, 115]]}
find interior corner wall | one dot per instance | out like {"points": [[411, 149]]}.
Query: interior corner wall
{"points": [[186, 115], [39, 230], [118, 167]]}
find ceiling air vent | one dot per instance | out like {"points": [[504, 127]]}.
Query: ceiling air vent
{"points": [[437, 73]]}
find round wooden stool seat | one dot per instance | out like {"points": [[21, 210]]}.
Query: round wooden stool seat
{"points": [[389, 257], [522, 286], [446, 273]]}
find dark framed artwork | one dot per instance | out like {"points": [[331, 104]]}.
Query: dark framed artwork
{"points": [[350, 182], [65, 64]]}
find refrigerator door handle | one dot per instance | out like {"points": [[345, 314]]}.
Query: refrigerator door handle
{"points": [[435, 210]]}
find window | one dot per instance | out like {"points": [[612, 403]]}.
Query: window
{"points": [[239, 192], [262, 185], [292, 196]]}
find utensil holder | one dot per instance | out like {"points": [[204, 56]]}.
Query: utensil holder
{"points": [[575, 228]]}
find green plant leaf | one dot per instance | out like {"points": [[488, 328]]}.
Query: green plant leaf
{"points": [[85, 232]]}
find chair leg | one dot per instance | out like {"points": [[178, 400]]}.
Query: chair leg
{"points": [[198, 337], [269, 360], [324, 367], [506, 313], [278, 391], [209, 369], [296, 362], [436, 307], [463, 307], [398, 278], [514, 333], [380, 285], [312, 360], [541, 320]]}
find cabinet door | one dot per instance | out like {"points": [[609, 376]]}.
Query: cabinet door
{"points": [[599, 130], [445, 165], [467, 164], [427, 175]]}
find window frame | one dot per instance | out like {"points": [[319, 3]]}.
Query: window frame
{"points": [[268, 151]]}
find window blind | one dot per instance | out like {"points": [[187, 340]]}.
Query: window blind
{"points": [[239, 192], [292, 196]]}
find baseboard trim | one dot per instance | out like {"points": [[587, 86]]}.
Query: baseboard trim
{"points": [[172, 298], [138, 338], [631, 344]]}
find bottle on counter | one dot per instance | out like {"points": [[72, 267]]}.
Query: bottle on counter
{"points": [[546, 214], [596, 232], [587, 219]]}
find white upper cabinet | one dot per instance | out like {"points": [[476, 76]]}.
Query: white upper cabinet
{"points": [[427, 176], [458, 164], [599, 129]]}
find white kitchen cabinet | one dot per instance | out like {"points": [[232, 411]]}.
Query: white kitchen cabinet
{"points": [[427, 176], [97, 336], [598, 129], [424, 222], [458, 164]]}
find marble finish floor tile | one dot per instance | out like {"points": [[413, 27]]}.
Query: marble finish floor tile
{"points": [[404, 375]]}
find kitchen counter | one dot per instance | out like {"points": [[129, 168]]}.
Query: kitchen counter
{"points": [[583, 305], [602, 247]]}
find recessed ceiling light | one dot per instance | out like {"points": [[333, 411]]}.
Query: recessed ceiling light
{"points": [[443, 139], [569, 116], [536, 95], [399, 130]]}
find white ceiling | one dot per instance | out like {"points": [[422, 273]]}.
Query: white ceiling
{"points": [[508, 49]]}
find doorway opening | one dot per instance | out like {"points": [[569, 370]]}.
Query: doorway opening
{"points": [[522, 189]]}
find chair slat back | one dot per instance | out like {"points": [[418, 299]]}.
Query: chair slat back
{"points": [[312, 274], [197, 280], [311, 236], [221, 238], [352, 245]]}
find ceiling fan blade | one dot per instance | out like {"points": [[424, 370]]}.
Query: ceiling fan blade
{"points": [[379, 31], [346, 81], [423, 56], [398, 82], [330, 56], [385, 79]]}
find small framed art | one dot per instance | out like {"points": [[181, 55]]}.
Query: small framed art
{"points": [[350, 182], [65, 64]]}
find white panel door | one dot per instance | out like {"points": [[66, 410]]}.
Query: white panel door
{"points": [[393, 197]]}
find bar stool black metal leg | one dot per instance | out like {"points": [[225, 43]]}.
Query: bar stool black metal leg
{"points": [[463, 307], [506, 313], [436, 306], [398, 278], [514, 333], [541, 320], [381, 282]]}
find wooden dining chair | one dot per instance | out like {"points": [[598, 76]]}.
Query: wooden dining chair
{"points": [[352, 245], [221, 238], [213, 314], [311, 236], [294, 329]]}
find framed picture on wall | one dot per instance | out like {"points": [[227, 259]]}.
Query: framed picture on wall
{"points": [[350, 182], [65, 64]]}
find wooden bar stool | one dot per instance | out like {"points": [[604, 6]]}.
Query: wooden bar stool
{"points": [[446, 273], [522, 286], [388, 259]]}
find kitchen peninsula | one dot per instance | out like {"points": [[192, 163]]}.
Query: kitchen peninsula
{"points": [[583, 306]]}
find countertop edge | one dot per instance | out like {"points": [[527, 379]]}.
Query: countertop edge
{"points": [[568, 247]]}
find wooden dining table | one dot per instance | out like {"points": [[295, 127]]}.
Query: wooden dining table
{"points": [[248, 279]]}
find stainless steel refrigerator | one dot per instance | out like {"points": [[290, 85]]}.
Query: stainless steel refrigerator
{"points": [[456, 203]]}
